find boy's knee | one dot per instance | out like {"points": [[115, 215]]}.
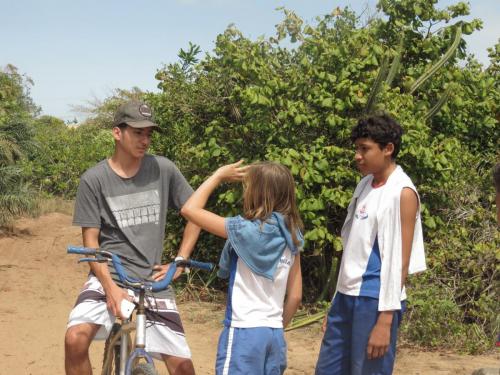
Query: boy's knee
{"points": [[185, 368], [77, 340], [178, 365]]}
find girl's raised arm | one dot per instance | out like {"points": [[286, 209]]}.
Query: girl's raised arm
{"points": [[194, 211]]}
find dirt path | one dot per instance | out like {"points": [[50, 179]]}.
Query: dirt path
{"points": [[39, 284]]}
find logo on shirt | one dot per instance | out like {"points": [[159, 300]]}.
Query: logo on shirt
{"points": [[362, 213], [284, 260], [136, 209]]}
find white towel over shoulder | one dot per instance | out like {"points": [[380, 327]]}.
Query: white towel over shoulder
{"points": [[389, 237]]}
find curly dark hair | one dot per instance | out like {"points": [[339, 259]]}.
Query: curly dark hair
{"points": [[381, 129], [496, 177]]}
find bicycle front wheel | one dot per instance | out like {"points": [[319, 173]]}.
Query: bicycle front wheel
{"points": [[144, 369], [111, 360]]}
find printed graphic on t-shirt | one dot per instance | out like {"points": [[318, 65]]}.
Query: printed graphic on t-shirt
{"points": [[285, 261], [362, 213], [136, 209]]}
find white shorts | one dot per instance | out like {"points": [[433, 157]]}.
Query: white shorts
{"points": [[164, 331]]}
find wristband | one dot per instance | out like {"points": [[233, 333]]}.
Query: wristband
{"points": [[180, 257]]}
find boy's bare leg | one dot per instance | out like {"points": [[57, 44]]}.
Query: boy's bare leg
{"points": [[76, 348], [178, 365]]}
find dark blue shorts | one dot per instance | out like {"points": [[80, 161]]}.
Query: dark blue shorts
{"points": [[256, 351], [343, 349]]}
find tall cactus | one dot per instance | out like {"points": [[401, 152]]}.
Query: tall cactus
{"points": [[434, 68], [377, 85], [396, 62], [439, 104]]}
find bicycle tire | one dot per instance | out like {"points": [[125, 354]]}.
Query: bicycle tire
{"points": [[111, 358], [144, 369]]}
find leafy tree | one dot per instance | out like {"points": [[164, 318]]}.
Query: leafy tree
{"points": [[100, 112], [16, 112], [63, 153]]}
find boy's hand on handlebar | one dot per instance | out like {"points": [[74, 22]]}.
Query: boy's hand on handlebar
{"points": [[162, 269], [231, 172]]}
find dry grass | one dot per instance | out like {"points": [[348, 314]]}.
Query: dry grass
{"points": [[42, 206], [55, 204]]}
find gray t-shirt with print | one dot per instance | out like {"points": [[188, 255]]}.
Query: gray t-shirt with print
{"points": [[131, 212]]}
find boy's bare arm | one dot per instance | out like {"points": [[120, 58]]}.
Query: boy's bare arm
{"points": [[189, 239], [114, 294], [380, 337], [293, 292], [408, 209]]}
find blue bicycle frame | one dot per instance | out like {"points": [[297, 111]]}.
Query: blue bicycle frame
{"points": [[141, 286]]}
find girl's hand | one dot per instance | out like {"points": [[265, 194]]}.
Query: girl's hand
{"points": [[231, 172]]}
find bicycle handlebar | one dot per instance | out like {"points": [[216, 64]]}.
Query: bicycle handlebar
{"points": [[196, 264], [81, 250], [155, 286]]}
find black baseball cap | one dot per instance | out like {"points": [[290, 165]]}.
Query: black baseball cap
{"points": [[136, 114]]}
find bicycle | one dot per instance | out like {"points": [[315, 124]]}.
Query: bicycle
{"points": [[120, 357]]}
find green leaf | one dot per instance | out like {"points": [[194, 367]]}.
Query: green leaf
{"points": [[430, 222], [327, 103], [322, 165]]}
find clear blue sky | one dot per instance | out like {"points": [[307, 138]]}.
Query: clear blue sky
{"points": [[76, 49]]}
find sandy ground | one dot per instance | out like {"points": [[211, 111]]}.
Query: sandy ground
{"points": [[39, 284]]}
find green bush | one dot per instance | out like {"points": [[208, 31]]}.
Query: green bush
{"points": [[435, 320], [63, 153], [16, 114]]}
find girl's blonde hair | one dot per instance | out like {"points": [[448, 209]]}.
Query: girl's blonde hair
{"points": [[269, 187]]}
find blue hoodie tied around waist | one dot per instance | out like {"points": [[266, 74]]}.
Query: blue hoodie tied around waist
{"points": [[259, 244]]}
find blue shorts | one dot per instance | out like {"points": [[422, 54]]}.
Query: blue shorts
{"points": [[256, 351], [343, 349]]}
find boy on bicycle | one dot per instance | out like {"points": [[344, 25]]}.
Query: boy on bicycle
{"points": [[121, 205]]}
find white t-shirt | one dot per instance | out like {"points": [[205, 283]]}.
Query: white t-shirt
{"points": [[360, 267], [255, 301]]}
